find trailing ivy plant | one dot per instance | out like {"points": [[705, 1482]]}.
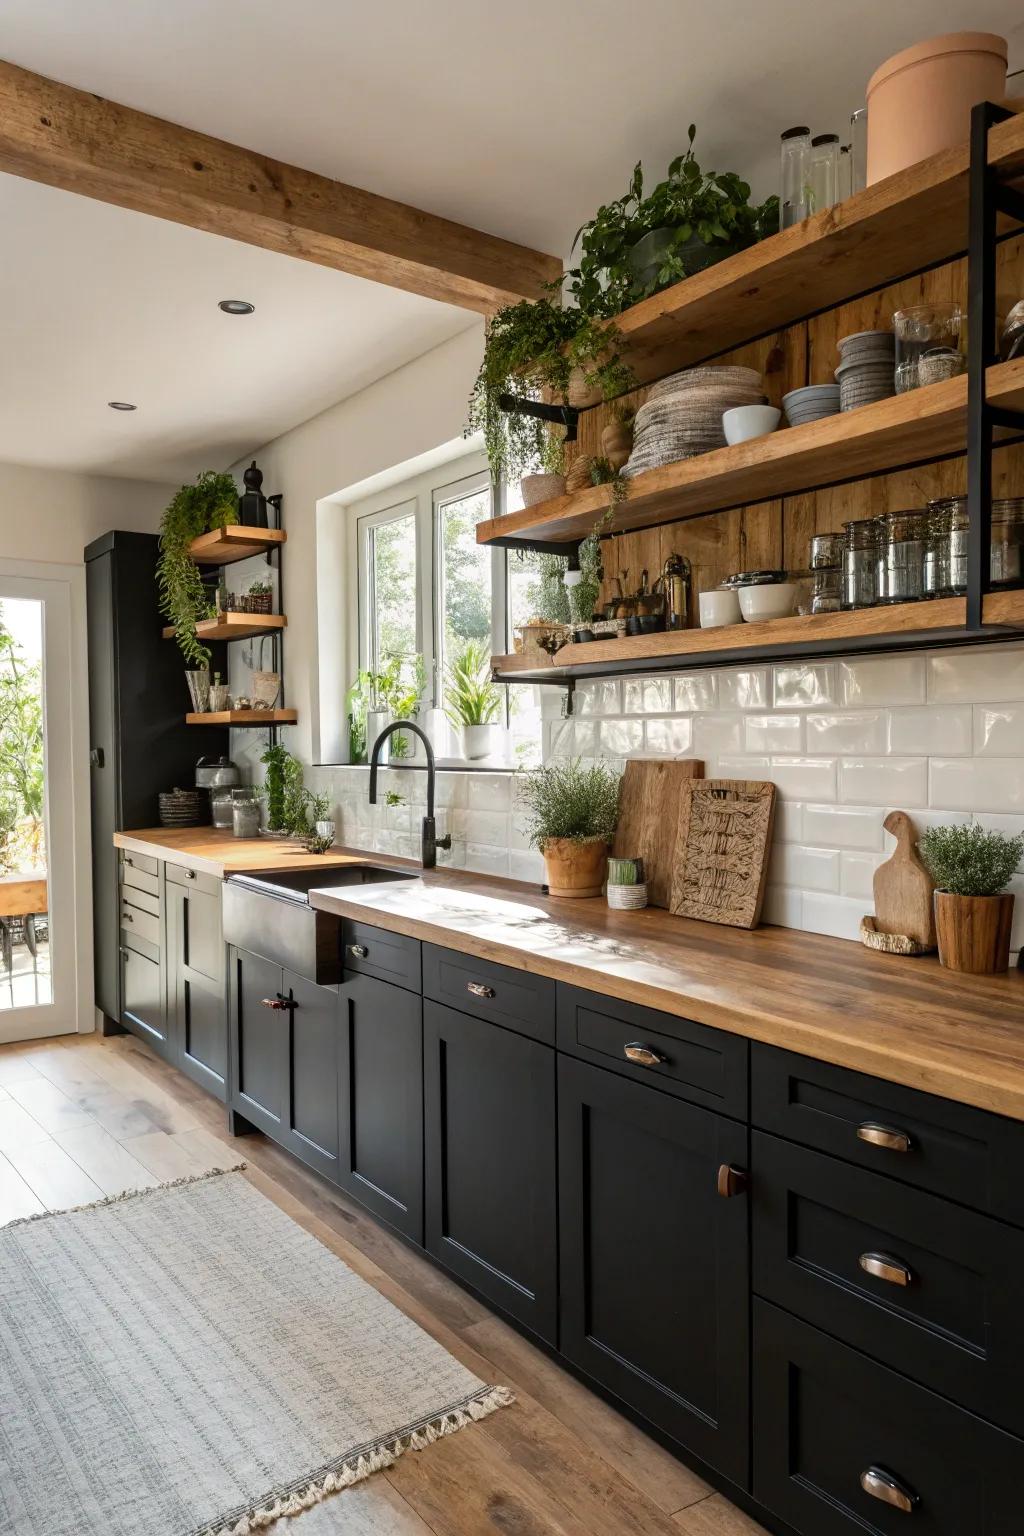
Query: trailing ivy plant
{"points": [[211, 503]]}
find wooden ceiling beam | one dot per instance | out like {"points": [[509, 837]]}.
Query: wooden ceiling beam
{"points": [[71, 139]]}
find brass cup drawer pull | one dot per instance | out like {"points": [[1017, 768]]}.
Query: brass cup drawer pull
{"points": [[884, 1267], [359, 950], [643, 1055], [884, 1136], [732, 1180], [277, 1003], [480, 989], [887, 1489]]}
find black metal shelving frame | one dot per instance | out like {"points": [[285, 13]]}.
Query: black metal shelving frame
{"points": [[274, 557], [988, 198]]}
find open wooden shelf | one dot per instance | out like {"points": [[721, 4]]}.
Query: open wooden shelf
{"points": [[244, 717], [234, 626], [939, 621], [891, 434], [226, 545], [907, 222]]}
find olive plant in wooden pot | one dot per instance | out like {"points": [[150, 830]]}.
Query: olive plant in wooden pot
{"points": [[571, 815], [973, 910]]}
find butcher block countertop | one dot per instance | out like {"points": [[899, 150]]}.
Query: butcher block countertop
{"points": [[907, 1020]]}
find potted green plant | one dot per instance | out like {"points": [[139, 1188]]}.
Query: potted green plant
{"points": [[260, 597], [971, 868], [399, 688], [571, 815], [284, 792], [472, 701], [212, 502], [549, 481]]}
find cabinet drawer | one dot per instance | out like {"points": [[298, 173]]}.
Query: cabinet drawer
{"points": [[140, 880], [825, 1418], [677, 1055], [497, 993], [951, 1149], [136, 864], [136, 923], [376, 952], [139, 898], [194, 880], [921, 1284]]}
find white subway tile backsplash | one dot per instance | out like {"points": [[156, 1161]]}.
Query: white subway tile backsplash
{"points": [[805, 778], [986, 675], [483, 826], [731, 766], [603, 697], [487, 860], [788, 821], [526, 866], [584, 738], [882, 680], [856, 874], [853, 731], [740, 689], [773, 733], [617, 738], [783, 906], [1010, 826], [891, 781], [696, 691], [647, 696], [560, 738], [977, 784], [489, 792], [839, 916], [805, 686], [937, 728], [998, 731], [811, 869], [717, 733], [843, 826], [669, 738]]}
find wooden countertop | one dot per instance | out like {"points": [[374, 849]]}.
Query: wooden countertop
{"points": [[909, 1021], [212, 851]]}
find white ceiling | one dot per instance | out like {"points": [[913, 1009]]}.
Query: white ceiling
{"points": [[518, 118]]}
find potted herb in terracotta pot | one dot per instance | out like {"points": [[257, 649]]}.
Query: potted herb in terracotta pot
{"points": [[973, 910], [571, 813]]}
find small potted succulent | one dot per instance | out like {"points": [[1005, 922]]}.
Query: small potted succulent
{"points": [[627, 886], [571, 814], [973, 910], [260, 596]]}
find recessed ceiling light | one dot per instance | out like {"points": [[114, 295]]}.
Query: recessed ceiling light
{"points": [[121, 405], [236, 306]]}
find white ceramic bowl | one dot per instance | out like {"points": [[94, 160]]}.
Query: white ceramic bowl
{"points": [[718, 607], [746, 421], [772, 600]]}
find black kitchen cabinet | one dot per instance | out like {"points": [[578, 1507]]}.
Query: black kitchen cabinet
{"points": [[379, 1103], [142, 998], [654, 1260], [196, 1001], [489, 1112]]}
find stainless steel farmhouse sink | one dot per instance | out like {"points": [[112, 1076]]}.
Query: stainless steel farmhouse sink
{"points": [[268, 913]]}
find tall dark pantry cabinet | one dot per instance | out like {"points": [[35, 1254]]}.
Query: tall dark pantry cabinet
{"points": [[139, 744]]}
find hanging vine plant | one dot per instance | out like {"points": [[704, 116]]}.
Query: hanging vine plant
{"points": [[211, 503]]}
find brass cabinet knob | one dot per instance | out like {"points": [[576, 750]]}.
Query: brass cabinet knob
{"points": [[359, 950], [884, 1267], [883, 1486], [884, 1136], [643, 1055], [478, 989]]}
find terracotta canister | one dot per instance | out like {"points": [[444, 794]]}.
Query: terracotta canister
{"points": [[920, 100]]}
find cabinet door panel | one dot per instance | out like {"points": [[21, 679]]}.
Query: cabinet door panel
{"points": [[654, 1262], [204, 1036], [197, 995], [491, 1173], [380, 1098], [203, 946], [142, 993], [259, 1043], [312, 1130]]}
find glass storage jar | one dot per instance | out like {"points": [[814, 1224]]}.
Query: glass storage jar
{"points": [[827, 549], [860, 558], [827, 589], [945, 573], [1007, 563], [928, 344], [794, 155], [902, 540]]}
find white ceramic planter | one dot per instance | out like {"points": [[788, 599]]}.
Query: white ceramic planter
{"points": [[626, 898], [376, 720], [479, 741]]}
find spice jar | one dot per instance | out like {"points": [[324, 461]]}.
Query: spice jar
{"points": [[1007, 560], [902, 540], [827, 550], [860, 558], [945, 573]]}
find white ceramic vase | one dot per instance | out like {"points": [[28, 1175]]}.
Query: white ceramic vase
{"points": [[479, 741]]}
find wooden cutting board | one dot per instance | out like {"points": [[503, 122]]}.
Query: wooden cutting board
{"points": [[904, 888], [724, 839], [649, 799]]}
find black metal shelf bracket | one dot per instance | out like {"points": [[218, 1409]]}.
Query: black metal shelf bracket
{"points": [[566, 416]]}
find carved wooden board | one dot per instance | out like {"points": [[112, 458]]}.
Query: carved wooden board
{"points": [[724, 838], [649, 815], [903, 888]]}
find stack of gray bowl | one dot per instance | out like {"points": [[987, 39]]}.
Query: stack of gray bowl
{"points": [[811, 403], [867, 368]]}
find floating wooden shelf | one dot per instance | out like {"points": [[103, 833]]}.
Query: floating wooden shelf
{"points": [[911, 220], [939, 621], [226, 545], [244, 717], [234, 626], [906, 429]]}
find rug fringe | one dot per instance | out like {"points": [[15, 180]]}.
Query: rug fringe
{"points": [[363, 1465], [125, 1194]]}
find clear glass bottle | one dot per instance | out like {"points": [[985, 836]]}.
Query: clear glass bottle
{"points": [[946, 558], [860, 561], [796, 147], [859, 150], [902, 542], [1007, 563], [823, 172]]}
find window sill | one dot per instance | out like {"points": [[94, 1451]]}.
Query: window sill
{"points": [[443, 765]]}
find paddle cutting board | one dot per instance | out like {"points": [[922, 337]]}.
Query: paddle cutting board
{"points": [[725, 836], [904, 888], [649, 815]]}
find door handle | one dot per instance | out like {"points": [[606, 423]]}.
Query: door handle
{"points": [[732, 1180], [277, 1003], [643, 1055], [883, 1267], [884, 1136], [888, 1489], [478, 989], [359, 950]]}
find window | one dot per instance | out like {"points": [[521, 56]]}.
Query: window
{"points": [[390, 565]]}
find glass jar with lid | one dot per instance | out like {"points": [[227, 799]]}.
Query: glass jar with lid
{"points": [[902, 540], [1007, 562], [795, 152], [945, 573], [823, 172], [860, 558], [929, 346]]}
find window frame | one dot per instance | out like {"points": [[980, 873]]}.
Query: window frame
{"points": [[366, 525]]}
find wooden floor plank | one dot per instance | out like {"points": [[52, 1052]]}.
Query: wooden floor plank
{"points": [[16, 1199], [164, 1158], [106, 1161], [211, 1151], [67, 1068], [54, 1177], [372, 1508], [15, 1067], [164, 1111], [17, 1126], [717, 1517], [48, 1104]]}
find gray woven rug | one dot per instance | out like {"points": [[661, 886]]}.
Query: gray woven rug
{"points": [[188, 1361]]}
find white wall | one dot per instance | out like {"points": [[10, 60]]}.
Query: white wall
{"points": [[51, 514]]}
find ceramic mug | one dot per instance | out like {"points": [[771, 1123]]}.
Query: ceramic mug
{"points": [[718, 607]]}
